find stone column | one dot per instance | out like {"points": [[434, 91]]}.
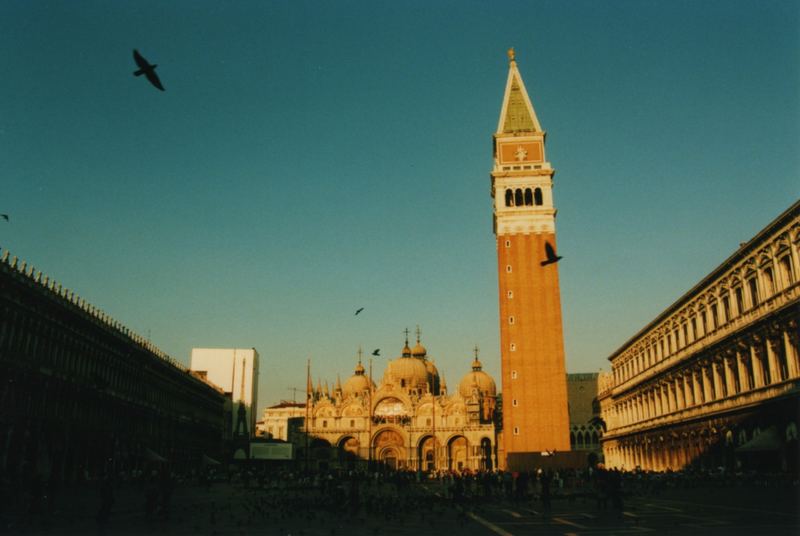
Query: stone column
{"points": [[755, 362], [671, 405], [790, 347], [658, 399], [680, 394], [730, 385], [708, 395], [688, 389], [772, 360], [697, 392], [719, 381], [640, 407], [742, 369], [651, 395]]}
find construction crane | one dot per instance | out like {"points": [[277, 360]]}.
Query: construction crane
{"points": [[294, 391]]}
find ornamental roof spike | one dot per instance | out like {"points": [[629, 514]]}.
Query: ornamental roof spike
{"points": [[14, 262], [4, 258], [38, 276], [23, 265]]}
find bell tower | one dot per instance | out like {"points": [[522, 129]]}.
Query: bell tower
{"points": [[534, 380]]}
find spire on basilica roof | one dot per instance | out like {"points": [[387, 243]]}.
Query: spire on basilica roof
{"points": [[419, 350], [517, 114], [476, 364], [406, 352]]}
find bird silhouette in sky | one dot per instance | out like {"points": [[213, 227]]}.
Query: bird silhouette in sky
{"points": [[5, 217], [359, 310], [376, 352], [146, 69], [552, 258]]}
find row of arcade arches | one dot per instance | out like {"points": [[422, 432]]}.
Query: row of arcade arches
{"points": [[390, 451]]}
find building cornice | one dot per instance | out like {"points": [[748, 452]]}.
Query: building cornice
{"points": [[739, 256]]}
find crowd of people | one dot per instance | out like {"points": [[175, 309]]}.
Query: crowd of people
{"points": [[282, 491]]}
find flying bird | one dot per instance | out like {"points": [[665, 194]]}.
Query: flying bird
{"points": [[146, 69], [552, 258], [5, 217], [359, 310], [376, 352]]}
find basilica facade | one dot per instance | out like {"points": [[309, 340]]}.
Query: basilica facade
{"points": [[405, 421]]}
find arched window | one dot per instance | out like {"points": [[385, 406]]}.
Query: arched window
{"points": [[785, 264], [572, 439], [528, 197], [595, 438], [518, 197], [509, 198], [537, 196]]}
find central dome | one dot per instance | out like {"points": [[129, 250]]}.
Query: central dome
{"points": [[408, 373]]}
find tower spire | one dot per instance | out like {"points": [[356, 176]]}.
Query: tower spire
{"points": [[517, 114]]}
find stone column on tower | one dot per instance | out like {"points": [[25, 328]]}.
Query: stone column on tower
{"points": [[534, 385]]}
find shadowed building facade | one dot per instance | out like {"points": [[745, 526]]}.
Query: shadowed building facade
{"points": [[714, 380], [585, 429], [235, 370], [535, 416], [80, 394]]}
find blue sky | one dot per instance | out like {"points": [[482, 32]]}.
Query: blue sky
{"points": [[310, 158]]}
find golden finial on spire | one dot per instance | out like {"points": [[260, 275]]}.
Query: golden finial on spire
{"points": [[476, 352], [511, 54]]}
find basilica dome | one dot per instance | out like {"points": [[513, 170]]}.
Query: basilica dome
{"points": [[433, 377], [408, 372], [357, 383], [478, 377]]}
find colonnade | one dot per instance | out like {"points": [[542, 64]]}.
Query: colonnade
{"points": [[750, 363], [78, 392]]}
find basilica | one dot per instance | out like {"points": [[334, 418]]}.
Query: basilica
{"points": [[407, 421]]}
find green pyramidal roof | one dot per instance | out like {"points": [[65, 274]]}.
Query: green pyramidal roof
{"points": [[518, 115]]}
